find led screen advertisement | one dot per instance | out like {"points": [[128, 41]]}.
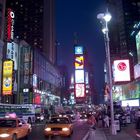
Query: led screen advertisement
{"points": [[79, 62], [130, 103], [7, 77], [78, 49], [138, 46], [121, 71], [12, 53], [79, 76], [79, 90], [131, 91]]}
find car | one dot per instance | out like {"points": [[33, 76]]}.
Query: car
{"points": [[14, 128], [59, 126], [39, 117]]}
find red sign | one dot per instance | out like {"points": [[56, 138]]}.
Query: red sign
{"points": [[79, 90], [10, 24], [122, 66]]}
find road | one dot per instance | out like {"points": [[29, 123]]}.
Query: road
{"points": [[80, 129]]}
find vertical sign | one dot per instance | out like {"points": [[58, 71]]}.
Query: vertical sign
{"points": [[138, 46], [10, 24], [79, 72], [7, 77]]}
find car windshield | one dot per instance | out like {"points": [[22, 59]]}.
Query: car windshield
{"points": [[7, 123], [59, 121]]}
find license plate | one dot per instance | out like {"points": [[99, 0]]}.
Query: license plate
{"points": [[55, 133]]}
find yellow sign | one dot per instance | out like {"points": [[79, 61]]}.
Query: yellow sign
{"points": [[79, 62], [7, 77]]}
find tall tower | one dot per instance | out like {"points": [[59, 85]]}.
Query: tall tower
{"points": [[34, 22], [124, 15]]}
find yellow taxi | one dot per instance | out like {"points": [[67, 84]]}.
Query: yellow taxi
{"points": [[13, 128], [59, 126]]}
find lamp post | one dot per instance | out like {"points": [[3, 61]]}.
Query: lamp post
{"points": [[104, 19]]}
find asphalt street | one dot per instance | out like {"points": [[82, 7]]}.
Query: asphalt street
{"points": [[80, 129]]}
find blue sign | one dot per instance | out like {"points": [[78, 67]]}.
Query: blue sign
{"points": [[78, 49]]}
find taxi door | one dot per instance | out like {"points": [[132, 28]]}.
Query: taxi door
{"points": [[20, 129]]}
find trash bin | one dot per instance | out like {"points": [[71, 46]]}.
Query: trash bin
{"points": [[117, 125]]}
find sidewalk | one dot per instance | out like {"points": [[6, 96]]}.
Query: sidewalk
{"points": [[119, 136]]}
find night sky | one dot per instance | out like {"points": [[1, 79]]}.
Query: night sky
{"points": [[81, 16]]}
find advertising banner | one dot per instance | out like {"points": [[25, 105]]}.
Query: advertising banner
{"points": [[121, 71], [79, 62], [12, 53], [7, 77], [138, 46], [78, 49], [137, 71], [79, 76], [79, 90]]}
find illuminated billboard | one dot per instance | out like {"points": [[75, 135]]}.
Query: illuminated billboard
{"points": [[78, 49], [12, 53], [130, 103], [79, 76], [79, 90], [121, 70], [138, 46], [7, 77], [10, 24], [79, 62]]}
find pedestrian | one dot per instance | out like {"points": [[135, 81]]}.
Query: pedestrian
{"points": [[106, 121], [138, 122], [91, 132]]}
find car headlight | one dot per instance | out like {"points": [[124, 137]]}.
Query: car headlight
{"points": [[65, 115], [4, 135], [48, 129], [65, 129]]}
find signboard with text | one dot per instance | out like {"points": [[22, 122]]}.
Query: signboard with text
{"points": [[7, 77]]}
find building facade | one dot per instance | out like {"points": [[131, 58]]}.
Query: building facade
{"points": [[34, 22]]}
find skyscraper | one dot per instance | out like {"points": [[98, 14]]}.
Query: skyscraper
{"points": [[124, 15], [34, 22], [2, 14]]}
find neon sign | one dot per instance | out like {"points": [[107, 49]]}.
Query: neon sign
{"points": [[10, 25]]}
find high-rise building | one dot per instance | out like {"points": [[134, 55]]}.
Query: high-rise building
{"points": [[2, 14], [34, 22], [124, 15]]}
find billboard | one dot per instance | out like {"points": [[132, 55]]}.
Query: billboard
{"points": [[138, 46], [79, 62], [78, 49], [79, 90], [130, 103], [121, 71], [79, 76], [12, 53], [7, 77], [137, 71], [10, 24]]}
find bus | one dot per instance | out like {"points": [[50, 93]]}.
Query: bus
{"points": [[24, 111]]}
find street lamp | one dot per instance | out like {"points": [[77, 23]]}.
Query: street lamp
{"points": [[104, 19]]}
